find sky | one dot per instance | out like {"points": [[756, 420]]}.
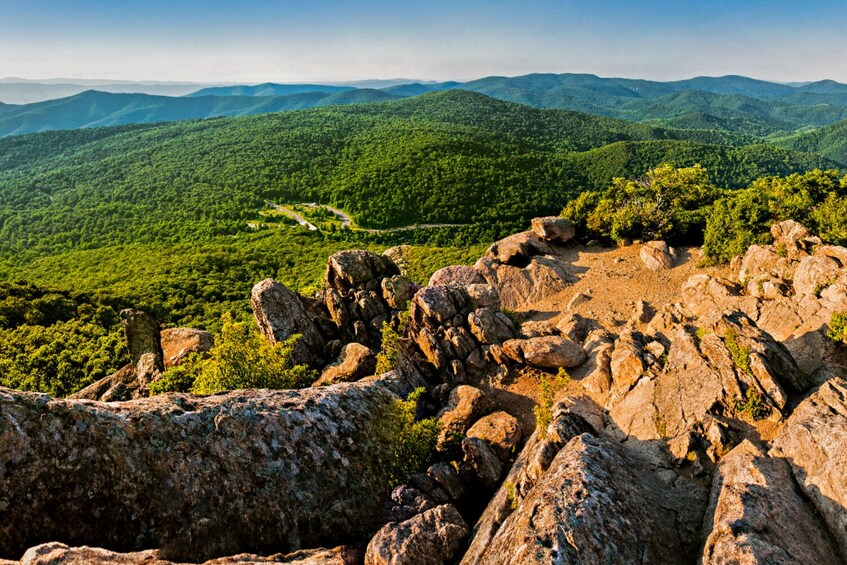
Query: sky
{"points": [[335, 40]]}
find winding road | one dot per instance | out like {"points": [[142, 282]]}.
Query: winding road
{"points": [[346, 220]]}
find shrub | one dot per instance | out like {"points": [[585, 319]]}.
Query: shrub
{"points": [[389, 353], [753, 405], [410, 441], [838, 327], [740, 355], [549, 388], [241, 358]]}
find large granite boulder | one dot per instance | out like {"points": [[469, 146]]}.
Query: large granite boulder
{"points": [[197, 477], [355, 362], [280, 315], [431, 538], [554, 229], [461, 275], [814, 441], [656, 256], [179, 343], [598, 502], [357, 269], [757, 514], [546, 352]]}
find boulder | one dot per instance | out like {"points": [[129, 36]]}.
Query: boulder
{"points": [[706, 298], [547, 352], [598, 367], [542, 278], [433, 306], [598, 502], [490, 326], [500, 430], [793, 236], [397, 290], [814, 441], [529, 467], [577, 300], [280, 315], [517, 249], [431, 538], [461, 275], [55, 553], [553, 228], [144, 345], [757, 514], [213, 475], [481, 461], [125, 376], [178, 343], [483, 295], [814, 274], [355, 269], [765, 260], [355, 362], [656, 255], [465, 405], [627, 361]]}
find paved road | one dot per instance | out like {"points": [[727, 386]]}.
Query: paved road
{"points": [[347, 221]]}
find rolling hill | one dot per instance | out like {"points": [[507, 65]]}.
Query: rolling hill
{"points": [[448, 157], [97, 109], [830, 141]]}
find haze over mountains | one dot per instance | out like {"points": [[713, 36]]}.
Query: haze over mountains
{"points": [[741, 105]]}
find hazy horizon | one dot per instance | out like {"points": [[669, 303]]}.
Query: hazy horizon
{"points": [[333, 41]]}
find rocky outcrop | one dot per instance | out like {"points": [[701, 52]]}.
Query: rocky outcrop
{"points": [[355, 362], [541, 278], [431, 538], [55, 553], [757, 514], [461, 275], [280, 315], [465, 405], [656, 255], [198, 477], [599, 502], [179, 343], [554, 229], [500, 430], [814, 441], [546, 352]]}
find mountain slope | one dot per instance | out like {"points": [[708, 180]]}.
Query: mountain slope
{"points": [[97, 109], [268, 89], [830, 141], [449, 157]]}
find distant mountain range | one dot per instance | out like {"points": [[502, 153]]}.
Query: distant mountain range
{"points": [[739, 105]]}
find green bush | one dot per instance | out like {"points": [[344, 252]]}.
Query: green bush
{"points": [[667, 202], [241, 358], [549, 387], [410, 441], [838, 327], [386, 359], [753, 405], [740, 355]]}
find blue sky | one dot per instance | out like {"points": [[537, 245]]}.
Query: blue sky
{"points": [[314, 40]]}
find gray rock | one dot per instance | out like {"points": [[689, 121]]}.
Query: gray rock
{"points": [[397, 291], [461, 275], [466, 404], [178, 343], [757, 515], [553, 228], [599, 503], [431, 538], [548, 352], [355, 362], [490, 326], [482, 461], [814, 441], [144, 344], [354, 269], [656, 256], [213, 474], [500, 430], [815, 273], [280, 315]]}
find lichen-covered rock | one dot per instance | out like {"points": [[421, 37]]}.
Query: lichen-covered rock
{"points": [[656, 255], [757, 515], [815, 273], [814, 441], [197, 477], [598, 502], [461, 275], [433, 306], [144, 345], [58, 553], [542, 278], [355, 269], [178, 343], [553, 228], [280, 315], [397, 291], [500, 430], [547, 352], [431, 538], [490, 326], [355, 362], [465, 405], [765, 260]]}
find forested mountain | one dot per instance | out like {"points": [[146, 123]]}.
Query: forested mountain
{"points": [[830, 141], [268, 89], [449, 157], [95, 109]]}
